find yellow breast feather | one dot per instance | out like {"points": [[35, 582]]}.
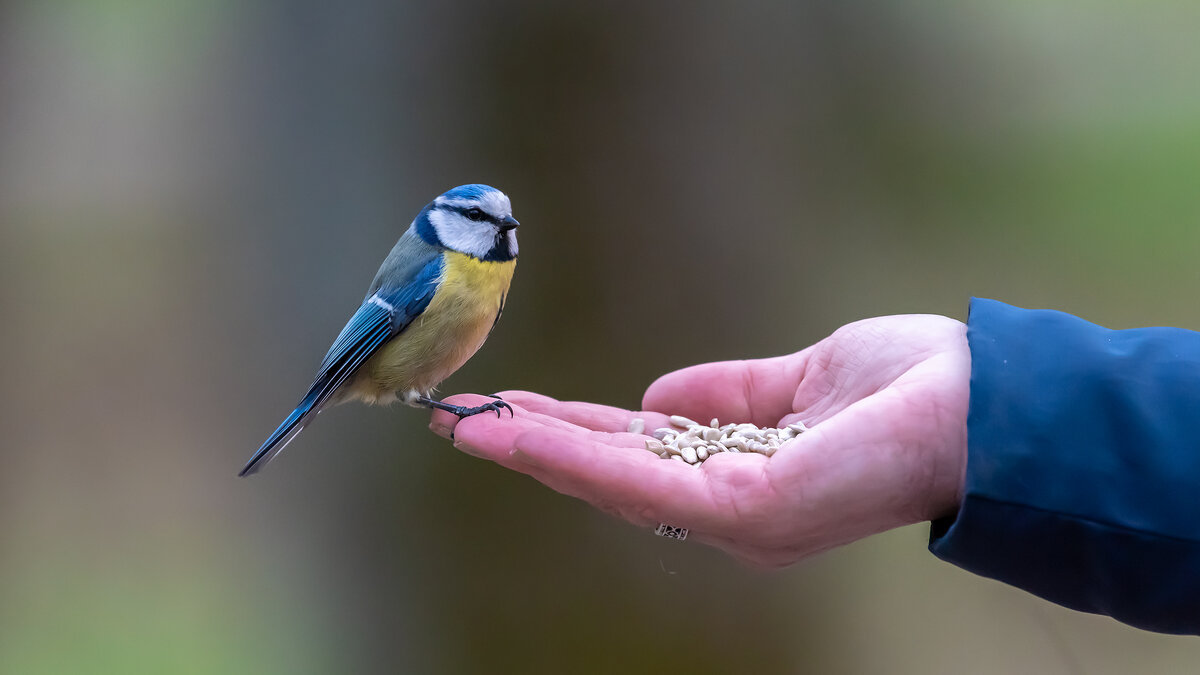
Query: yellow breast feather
{"points": [[452, 328]]}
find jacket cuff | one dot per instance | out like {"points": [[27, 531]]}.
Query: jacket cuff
{"points": [[1083, 465]]}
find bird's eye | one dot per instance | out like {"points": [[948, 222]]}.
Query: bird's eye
{"points": [[475, 214]]}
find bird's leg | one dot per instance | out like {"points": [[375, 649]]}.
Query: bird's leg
{"points": [[463, 411]]}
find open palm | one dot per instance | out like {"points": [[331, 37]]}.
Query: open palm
{"points": [[886, 403]]}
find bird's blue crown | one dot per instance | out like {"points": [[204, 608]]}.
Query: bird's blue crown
{"points": [[474, 191]]}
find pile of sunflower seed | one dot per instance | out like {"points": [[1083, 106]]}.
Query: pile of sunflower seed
{"points": [[691, 442]]}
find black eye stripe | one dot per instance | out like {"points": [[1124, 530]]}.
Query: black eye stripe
{"points": [[478, 216]]}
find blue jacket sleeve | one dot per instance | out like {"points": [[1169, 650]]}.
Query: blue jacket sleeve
{"points": [[1083, 465]]}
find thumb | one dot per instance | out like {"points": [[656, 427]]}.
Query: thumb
{"points": [[759, 391]]}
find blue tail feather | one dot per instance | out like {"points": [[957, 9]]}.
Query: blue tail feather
{"points": [[290, 428]]}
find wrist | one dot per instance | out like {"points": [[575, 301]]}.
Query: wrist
{"points": [[949, 462]]}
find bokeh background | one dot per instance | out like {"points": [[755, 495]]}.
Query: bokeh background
{"points": [[195, 194]]}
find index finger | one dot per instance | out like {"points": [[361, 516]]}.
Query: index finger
{"points": [[592, 416]]}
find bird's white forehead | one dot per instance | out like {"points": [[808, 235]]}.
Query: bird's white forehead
{"points": [[495, 203]]}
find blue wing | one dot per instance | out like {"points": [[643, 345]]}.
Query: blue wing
{"points": [[382, 316]]}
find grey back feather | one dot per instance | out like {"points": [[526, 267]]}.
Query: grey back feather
{"points": [[408, 257]]}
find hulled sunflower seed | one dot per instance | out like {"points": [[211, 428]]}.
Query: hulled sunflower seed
{"points": [[681, 421]]}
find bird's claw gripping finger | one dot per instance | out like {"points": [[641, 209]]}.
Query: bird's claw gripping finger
{"points": [[496, 405], [463, 411]]}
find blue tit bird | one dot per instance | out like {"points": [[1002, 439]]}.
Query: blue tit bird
{"points": [[432, 304]]}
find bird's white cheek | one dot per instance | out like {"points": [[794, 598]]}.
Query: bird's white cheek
{"points": [[512, 241], [459, 234]]}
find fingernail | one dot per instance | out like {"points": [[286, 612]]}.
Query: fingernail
{"points": [[441, 430], [468, 450], [524, 458]]}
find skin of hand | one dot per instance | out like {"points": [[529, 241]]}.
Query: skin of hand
{"points": [[886, 403]]}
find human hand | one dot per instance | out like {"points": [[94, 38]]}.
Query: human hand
{"points": [[886, 403]]}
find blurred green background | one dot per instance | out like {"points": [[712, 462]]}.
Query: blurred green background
{"points": [[194, 195]]}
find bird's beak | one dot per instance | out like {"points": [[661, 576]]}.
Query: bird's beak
{"points": [[509, 223]]}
